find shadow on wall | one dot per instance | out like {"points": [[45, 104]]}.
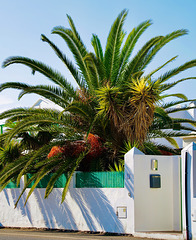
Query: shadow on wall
{"points": [[96, 209], [25, 211], [129, 181], [55, 214], [83, 209], [94, 206]]}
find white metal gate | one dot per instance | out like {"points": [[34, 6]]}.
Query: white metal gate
{"points": [[157, 193]]}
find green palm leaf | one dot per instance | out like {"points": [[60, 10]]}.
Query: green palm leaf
{"points": [[70, 173], [177, 70], [64, 59], [130, 43], [55, 94], [52, 75], [174, 103], [112, 52], [78, 50], [97, 47], [178, 95], [160, 44], [75, 32], [135, 65]]}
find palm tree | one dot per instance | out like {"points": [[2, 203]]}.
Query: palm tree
{"points": [[9, 153], [115, 100]]}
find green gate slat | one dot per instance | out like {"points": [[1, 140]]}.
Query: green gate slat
{"points": [[12, 184], [1, 126], [100, 180], [60, 182], [85, 180]]}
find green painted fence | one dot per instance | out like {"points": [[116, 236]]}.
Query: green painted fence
{"points": [[1, 128], [100, 180], [60, 182], [83, 180], [12, 184]]}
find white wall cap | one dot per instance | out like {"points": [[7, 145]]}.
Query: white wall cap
{"points": [[193, 103], [134, 151], [191, 145]]}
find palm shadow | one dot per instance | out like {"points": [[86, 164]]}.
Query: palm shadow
{"points": [[93, 204], [94, 208], [129, 182], [52, 209], [12, 196]]}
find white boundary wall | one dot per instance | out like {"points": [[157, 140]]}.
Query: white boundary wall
{"points": [[84, 209]]}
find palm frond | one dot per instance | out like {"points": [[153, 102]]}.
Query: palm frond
{"points": [[178, 95], [33, 158], [95, 41], [70, 173], [112, 51], [14, 85], [78, 50], [18, 113], [83, 110], [54, 178], [163, 65], [92, 65], [135, 65], [75, 32], [174, 103], [129, 45], [167, 86], [177, 70], [53, 93], [166, 39], [24, 188], [65, 60], [51, 74], [178, 109]]}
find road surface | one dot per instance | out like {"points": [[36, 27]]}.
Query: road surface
{"points": [[29, 234]]}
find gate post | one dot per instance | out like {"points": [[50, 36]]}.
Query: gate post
{"points": [[129, 183], [189, 191]]}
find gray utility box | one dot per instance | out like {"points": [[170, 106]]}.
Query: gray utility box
{"points": [[155, 181]]}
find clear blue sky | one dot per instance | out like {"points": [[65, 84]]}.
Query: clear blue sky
{"points": [[22, 22]]}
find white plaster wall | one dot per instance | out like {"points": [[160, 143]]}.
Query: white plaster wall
{"points": [[85, 209]]}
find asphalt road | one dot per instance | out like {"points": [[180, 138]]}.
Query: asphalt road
{"points": [[20, 234]]}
